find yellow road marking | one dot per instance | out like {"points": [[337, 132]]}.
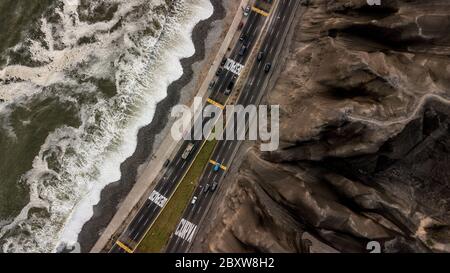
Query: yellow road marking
{"points": [[221, 166], [215, 103], [260, 11], [124, 247]]}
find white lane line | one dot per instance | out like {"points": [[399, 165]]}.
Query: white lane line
{"points": [[199, 210], [259, 81], [140, 218], [135, 236]]}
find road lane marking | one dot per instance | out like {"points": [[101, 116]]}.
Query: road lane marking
{"points": [[221, 166], [186, 230], [234, 67], [260, 11], [124, 247], [140, 218], [215, 103], [158, 199]]}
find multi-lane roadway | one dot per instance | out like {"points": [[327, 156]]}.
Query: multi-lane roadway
{"points": [[226, 149]]}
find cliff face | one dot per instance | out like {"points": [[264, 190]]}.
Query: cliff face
{"points": [[365, 152]]}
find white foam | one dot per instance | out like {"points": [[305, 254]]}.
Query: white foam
{"points": [[98, 157]]}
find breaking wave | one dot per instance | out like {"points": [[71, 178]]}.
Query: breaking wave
{"points": [[104, 65]]}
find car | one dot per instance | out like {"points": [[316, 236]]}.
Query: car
{"points": [[219, 71], [267, 67], [216, 167], [246, 43], [212, 84], [260, 56], [214, 187], [194, 200], [241, 25], [206, 189], [243, 37], [247, 11], [230, 85], [243, 50], [229, 88], [166, 163], [224, 61]]}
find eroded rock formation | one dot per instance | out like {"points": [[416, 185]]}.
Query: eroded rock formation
{"points": [[365, 153]]}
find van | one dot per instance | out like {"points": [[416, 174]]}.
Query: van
{"points": [[188, 151]]}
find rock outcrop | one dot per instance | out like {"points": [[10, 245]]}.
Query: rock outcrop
{"points": [[365, 147]]}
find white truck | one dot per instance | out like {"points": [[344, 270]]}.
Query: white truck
{"points": [[188, 151]]}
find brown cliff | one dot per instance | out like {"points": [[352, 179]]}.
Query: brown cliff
{"points": [[364, 95]]}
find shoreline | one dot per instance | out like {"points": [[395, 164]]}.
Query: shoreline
{"points": [[150, 136]]}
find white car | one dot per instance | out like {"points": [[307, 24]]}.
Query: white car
{"points": [[194, 200], [247, 11]]}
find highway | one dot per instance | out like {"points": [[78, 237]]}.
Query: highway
{"points": [[193, 216], [176, 169]]}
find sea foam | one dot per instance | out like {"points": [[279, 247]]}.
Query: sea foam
{"points": [[89, 157]]}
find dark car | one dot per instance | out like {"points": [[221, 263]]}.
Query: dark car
{"points": [[219, 71], [166, 163], [241, 25], [243, 37], [267, 67], [230, 85], [260, 56], [246, 43], [224, 61], [211, 85], [243, 50]]}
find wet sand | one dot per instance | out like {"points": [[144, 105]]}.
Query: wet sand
{"points": [[149, 136]]}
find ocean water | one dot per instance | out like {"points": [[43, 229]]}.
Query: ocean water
{"points": [[78, 78]]}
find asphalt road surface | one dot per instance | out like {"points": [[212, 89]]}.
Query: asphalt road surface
{"points": [[225, 150], [138, 227]]}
